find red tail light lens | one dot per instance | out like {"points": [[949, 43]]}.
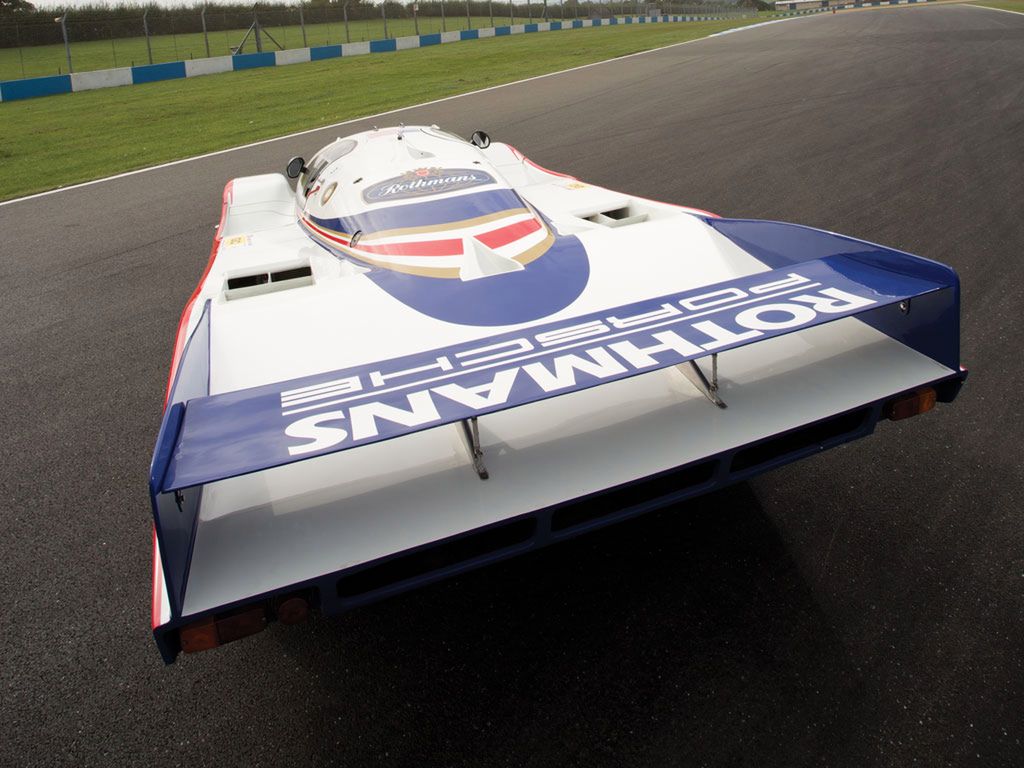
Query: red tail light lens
{"points": [[293, 610], [200, 636], [212, 631]]}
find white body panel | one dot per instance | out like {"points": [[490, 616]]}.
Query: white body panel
{"points": [[281, 526]]}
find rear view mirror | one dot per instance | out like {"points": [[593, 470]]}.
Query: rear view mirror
{"points": [[480, 139], [295, 167]]}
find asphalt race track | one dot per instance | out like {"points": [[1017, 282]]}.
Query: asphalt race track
{"points": [[860, 608]]}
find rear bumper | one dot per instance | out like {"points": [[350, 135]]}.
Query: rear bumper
{"points": [[366, 582]]}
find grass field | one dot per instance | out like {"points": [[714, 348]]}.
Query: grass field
{"points": [[1006, 5], [40, 60], [58, 140]]}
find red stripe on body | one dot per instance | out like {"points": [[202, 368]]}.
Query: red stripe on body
{"points": [[421, 248], [158, 583], [179, 346], [179, 339], [496, 238]]}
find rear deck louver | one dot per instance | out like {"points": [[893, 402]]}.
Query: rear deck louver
{"points": [[258, 283]]}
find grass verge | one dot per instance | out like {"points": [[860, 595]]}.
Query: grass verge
{"points": [[59, 140], [1006, 5]]}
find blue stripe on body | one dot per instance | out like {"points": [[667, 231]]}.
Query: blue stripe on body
{"points": [[425, 212]]}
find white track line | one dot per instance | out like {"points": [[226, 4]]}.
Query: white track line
{"points": [[388, 112], [990, 8]]}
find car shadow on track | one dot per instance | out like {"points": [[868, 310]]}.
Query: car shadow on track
{"points": [[688, 632]]}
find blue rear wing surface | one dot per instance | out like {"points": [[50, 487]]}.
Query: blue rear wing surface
{"points": [[226, 435]]}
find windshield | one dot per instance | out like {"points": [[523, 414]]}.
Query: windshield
{"points": [[324, 158]]}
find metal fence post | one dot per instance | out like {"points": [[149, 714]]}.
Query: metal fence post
{"points": [[384, 15], [302, 23], [206, 36], [490, 10], [469, 21], [444, 27], [145, 29], [344, 11], [63, 20], [256, 29], [416, 18], [511, 20]]}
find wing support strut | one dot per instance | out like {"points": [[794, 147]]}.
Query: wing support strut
{"points": [[471, 431], [696, 376]]}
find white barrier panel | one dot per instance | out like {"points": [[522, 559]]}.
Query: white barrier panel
{"points": [[291, 56], [101, 78], [214, 66]]}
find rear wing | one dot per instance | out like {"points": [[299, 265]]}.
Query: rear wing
{"points": [[815, 277]]}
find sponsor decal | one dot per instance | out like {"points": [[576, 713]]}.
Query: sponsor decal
{"points": [[374, 403], [426, 181]]}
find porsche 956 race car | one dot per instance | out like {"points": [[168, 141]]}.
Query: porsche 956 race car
{"points": [[418, 355]]}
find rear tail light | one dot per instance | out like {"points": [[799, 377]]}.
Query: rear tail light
{"points": [[293, 610], [200, 636], [913, 404], [212, 631]]}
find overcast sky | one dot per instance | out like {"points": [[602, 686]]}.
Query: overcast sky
{"points": [[165, 3], [171, 3]]}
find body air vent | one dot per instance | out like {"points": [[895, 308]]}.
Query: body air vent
{"points": [[623, 216], [269, 281]]}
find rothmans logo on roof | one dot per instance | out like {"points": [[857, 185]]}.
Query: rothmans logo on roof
{"points": [[426, 181]]}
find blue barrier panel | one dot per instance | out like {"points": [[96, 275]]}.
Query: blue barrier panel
{"points": [[151, 73], [469, 34], [577, 24], [35, 86], [253, 60], [643, 19], [613, 20], [383, 46], [596, 22], [629, 19], [434, 39], [556, 25], [321, 52], [502, 31], [531, 27]]}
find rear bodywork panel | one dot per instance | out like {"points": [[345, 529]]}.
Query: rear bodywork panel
{"points": [[342, 386]]}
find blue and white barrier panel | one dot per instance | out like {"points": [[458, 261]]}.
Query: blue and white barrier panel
{"points": [[13, 90]]}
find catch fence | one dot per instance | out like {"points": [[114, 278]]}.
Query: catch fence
{"points": [[67, 44]]}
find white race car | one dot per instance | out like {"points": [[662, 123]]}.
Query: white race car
{"points": [[430, 354]]}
